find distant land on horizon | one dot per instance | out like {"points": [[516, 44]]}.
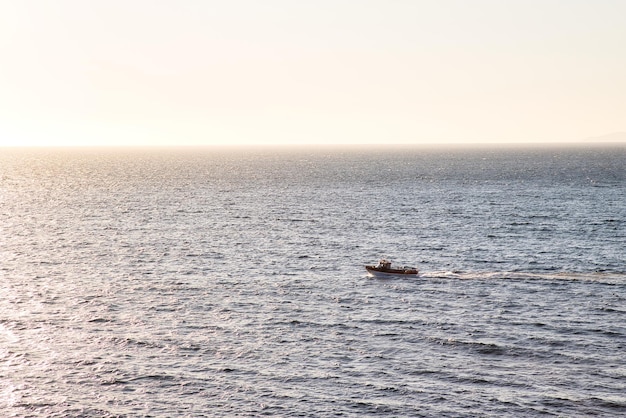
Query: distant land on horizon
{"points": [[614, 137]]}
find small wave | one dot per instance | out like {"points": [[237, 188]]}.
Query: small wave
{"points": [[296, 220], [131, 342], [157, 377], [99, 320], [113, 381], [477, 346]]}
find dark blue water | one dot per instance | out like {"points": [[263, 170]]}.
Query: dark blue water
{"points": [[230, 282]]}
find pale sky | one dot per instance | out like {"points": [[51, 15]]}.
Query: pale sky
{"points": [[192, 72]]}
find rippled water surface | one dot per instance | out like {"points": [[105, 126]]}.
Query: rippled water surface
{"points": [[227, 282]]}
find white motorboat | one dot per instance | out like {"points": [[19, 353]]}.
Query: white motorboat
{"points": [[384, 269]]}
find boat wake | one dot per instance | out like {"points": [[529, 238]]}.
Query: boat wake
{"points": [[608, 277]]}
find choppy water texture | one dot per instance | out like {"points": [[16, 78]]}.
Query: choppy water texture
{"points": [[231, 283]]}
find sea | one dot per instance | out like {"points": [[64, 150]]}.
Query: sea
{"points": [[230, 282]]}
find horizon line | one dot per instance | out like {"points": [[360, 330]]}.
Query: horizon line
{"points": [[327, 144]]}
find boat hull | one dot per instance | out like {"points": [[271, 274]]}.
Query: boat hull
{"points": [[390, 273]]}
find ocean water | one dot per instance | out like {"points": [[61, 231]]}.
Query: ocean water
{"points": [[230, 282]]}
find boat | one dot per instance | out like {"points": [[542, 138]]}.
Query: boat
{"points": [[384, 269]]}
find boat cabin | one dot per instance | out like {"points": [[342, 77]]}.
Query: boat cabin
{"points": [[384, 264]]}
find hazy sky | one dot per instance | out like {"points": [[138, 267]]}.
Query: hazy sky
{"points": [[158, 72]]}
